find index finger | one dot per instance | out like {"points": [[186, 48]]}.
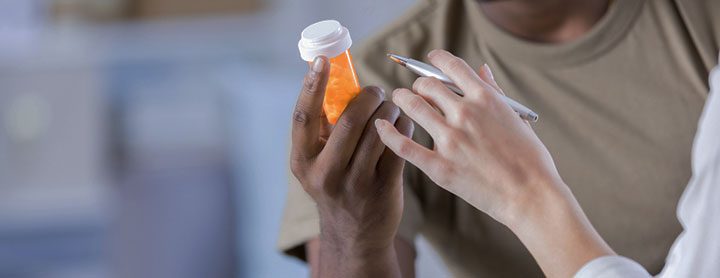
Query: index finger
{"points": [[307, 117]]}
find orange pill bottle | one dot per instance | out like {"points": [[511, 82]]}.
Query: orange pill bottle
{"points": [[330, 39]]}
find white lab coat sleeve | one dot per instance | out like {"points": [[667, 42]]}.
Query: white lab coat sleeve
{"points": [[696, 252], [612, 267]]}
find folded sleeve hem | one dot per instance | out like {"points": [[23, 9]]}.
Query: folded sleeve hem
{"points": [[294, 236]]}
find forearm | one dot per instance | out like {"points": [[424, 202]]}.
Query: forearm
{"points": [[557, 233]]}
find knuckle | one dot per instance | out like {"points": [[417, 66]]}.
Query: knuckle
{"points": [[446, 138], [347, 123], [405, 149], [455, 64], [484, 98], [300, 117], [464, 112], [415, 104], [451, 140], [310, 82], [312, 90]]}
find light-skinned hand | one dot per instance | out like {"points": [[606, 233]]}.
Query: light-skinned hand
{"points": [[484, 152]]}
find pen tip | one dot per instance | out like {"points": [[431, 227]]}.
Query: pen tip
{"points": [[396, 59]]}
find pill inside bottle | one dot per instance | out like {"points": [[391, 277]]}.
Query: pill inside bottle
{"points": [[330, 39]]}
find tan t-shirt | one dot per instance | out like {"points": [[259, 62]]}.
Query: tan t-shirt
{"points": [[618, 109]]}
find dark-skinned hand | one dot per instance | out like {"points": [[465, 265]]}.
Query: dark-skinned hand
{"points": [[355, 181]]}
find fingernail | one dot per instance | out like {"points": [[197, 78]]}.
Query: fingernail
{"points": [[489, 71], [318, 64], [433, 52], [396, 95], [378, 124]]}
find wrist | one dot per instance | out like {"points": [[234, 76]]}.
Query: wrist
{"points": [[360, 235], [352, 258], [534, 205], [555, 230], [348, 240]]}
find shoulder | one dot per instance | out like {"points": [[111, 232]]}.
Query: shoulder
{"points": [[701, 14], [709, 7], [698, 22], [412, 35], [702, 21]]}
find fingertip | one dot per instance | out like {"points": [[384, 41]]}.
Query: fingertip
{"points": [[490, 73], [319, 64], [401, 97], [488, 70], [382, 126], [396, 95], [485, 74], [378, 125]]}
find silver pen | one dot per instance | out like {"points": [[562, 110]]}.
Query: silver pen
{"points": [[426, 70]]}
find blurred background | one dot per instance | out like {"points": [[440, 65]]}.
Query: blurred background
{"points": [[148, 138]]}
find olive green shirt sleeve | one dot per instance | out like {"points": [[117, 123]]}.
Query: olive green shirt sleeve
{"points": [[300, 222]]}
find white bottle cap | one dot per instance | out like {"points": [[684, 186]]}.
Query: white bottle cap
{"points": [[327, 38]]}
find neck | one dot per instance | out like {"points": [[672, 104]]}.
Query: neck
{"points": [[547, 21]]}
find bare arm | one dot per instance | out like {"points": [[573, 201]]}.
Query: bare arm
{"points": [[404, 250]]}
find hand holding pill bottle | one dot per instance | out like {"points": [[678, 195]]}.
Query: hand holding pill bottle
{"points": [[330, 39]]}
